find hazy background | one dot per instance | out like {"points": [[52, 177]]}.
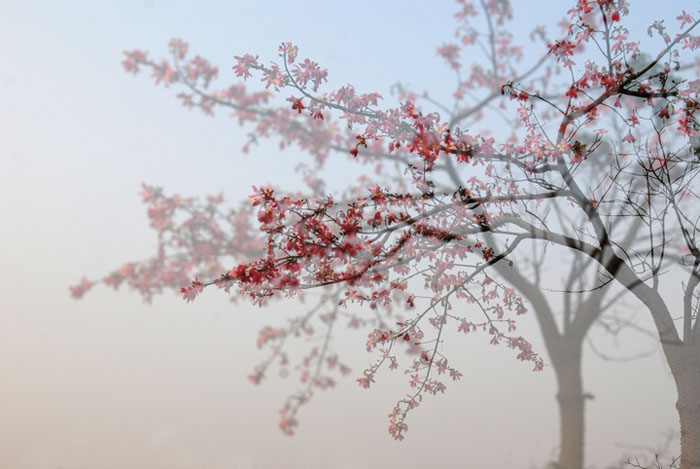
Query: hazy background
{"points": [[109, 382]]}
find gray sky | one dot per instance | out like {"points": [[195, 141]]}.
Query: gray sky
{"points": [[108, 382]]}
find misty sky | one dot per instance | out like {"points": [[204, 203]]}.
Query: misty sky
{"points": [[109, 382]]}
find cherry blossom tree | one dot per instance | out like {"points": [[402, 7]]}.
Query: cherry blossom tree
{"points": [[599, 160]]}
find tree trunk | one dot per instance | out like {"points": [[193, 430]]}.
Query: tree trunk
{"points": [[571, 399], [686, 371]]}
